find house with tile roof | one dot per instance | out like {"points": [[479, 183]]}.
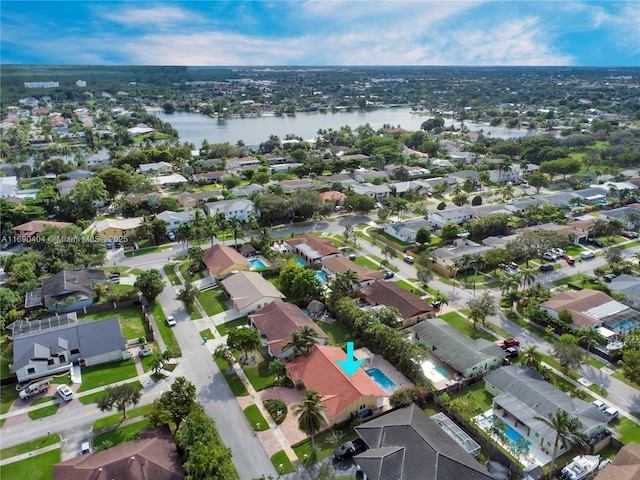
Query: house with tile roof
{"points": [[117, 228], [238, 208], [406, 444], [249, 291], [277, 321], [366, 276], [444, 258], [65, 291], [152, 455], [221, 260], [210, 177], [521, 394], [51, 349], [343, 396], [465, 355], [191, 200], [337, 198], [155, 168], [312, 248], [34, 227], [625, 465], [412, 308]]}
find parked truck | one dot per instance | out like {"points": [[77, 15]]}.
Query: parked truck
{"points": [[35, 388]]}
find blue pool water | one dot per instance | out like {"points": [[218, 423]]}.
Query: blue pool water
{"points": [[510, 433], [301, 262], [441, 370], [322, 277], [381, 379], [256, 263], [624, 326]]}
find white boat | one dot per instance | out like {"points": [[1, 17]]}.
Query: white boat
{"points": [[580, 467]]}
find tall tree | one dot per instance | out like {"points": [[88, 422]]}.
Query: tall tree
{"points": [[120, 397], [309, 413], [244, 339], [150, 283], [531, 356], [174, 405]]}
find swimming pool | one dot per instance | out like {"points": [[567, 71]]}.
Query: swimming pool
{"points": [[434, 372], [381, 379], [624, 326], [301, 262], [321, 276], [513, 436], [256, 263]]}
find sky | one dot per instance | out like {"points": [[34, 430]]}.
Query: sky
{"points": [[321, 32]]}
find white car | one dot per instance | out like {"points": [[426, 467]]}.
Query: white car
{"points": [[171, 321], [600, 405], [65, 393], [612, 414], [558, 251]]}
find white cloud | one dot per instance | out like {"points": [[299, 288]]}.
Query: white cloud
{"points": [[158, 15]]}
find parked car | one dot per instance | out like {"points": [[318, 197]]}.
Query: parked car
{"points": [[171, 321], [388, 274], [546, 267], [600, 405], [558, 251], [117, 244], [349, 449], [587, 255], [628, 234], [608, 277], [352, 256], [595, 242], [509, 342], [35, 388], [86, 448], [409, 259], [512, 352], [550, 256], [109, 245], [570, 260], [612, 414], [65, 393], [171, 236]]}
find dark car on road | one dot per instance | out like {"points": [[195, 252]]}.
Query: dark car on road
{"points": [[512, 352], [595, 242], [546, 267], [349, 449], [388, 274]]}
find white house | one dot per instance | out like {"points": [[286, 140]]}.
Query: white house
{"points": [[406, 231], [377, 192], [175, 219], [156, 167], [239, 208], [249, 291], [460, 215], [8, 186]]}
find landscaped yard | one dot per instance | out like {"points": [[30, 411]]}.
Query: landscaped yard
{"points": [[259, 375], [338, 334], [213, 301], [39, 467], [106, 374], [184, 271], [91, 398], [572, 279], [629, 431], [224, 328], [466, 326], [122, 434], [6, 356], [164, 329], [206, 333], [29, 446], [325, 447], [482, 399], [365, 262], [256, 420], [117, 418], [280, 458], [235, 384], [130, 320], [144, 251], [44, 411]]}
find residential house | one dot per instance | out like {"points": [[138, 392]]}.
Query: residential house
{"points": [[413, 171], [175, 219], [462, 157], [419, 186], [337, 198], [444, 258], [168, 181], [338, 265], [459, 215], [249, 291], [97, 159], [289, 186], [117, 228], [362, 175], [312, 248], [210, 177], [461, 176], [139, 130], [437, 162], [34, 227], [155, 168], [247, 190], [629, 287], [66, 186], [464, 355], [222, 260], [406, 444], [8, 186], [592, 195], [78, 174], [562, 199], [49, 346], [429, 183], [277, 321], [283, 167], [242, 163], [66, 291], [577, 231], [622, 214], [504, 176], [519, 205], [412, 308], [377, 192], [153, 454], [521, 395], [239, 208], [343, 396], [593, 308], [406, 231], [625, 465], [189, 200], [338, 178]]}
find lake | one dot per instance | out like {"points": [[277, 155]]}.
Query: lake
{"points": [[194, 128]]}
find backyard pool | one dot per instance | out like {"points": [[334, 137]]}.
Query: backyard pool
{"points": [[321, 276], [381, 379], [434, 372], [301, 262], [513, 436], [256, 263], [624, 326]]}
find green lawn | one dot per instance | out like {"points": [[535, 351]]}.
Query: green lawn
{"points": [[224, 328], [117, 417], [338, 333], [144, 251], [106, 373], [130, 321], [89, 399], [259, 375], [29, 446], [572, 279], [192, 310], [164, 329], [482, 399], [213, 301], [324, 447], [406, 286], [39, 467], [629, 431], [169, 270], [466, 326], [235, 384], [6, 356], [256, 420], [184, 271], [206, 333], [365, 262], [9, 394], [44, 412], [280, 458], [122, 434]]}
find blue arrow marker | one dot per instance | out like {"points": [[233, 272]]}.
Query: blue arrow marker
{"points": [[349, 365]]}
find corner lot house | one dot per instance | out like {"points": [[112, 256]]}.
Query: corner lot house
{"points": [[65, 291], [50, 346], [248, 291], [312, 249], [406, 231], [521, 394], [406, 444], [342, 396], [277, 321], [412, 308], [463, 354], [222, 260]]}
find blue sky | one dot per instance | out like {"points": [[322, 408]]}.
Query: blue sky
{"points": [[322, 32]]}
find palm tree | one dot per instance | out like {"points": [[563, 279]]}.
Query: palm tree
{"points": [[188, 294], [507, 192], [484, 177], [598, 227], [388, 251], [458, 264], [309, 414], [528, 277], [508, 284], [591, 337], [614, 227], [531, 356], [398, 206], [185, 233], [477, 262], [145, 229], [264, 235], [221, 222], [568, 431], [632, 218], [208, 229], [302, 341], [235, 226]]}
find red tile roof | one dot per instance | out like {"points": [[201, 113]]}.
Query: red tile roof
{"points": [[322, 247], [342, 264], [320, 372], [220, 258], [36, 226], [278, 320], [393, 295], [332, 195]]}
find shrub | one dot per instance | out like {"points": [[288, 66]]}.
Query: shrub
{"points": [[477, 200], [274, 407], [408, 395], [441, 206]]}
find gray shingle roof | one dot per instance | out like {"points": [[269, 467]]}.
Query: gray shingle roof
{"points": [[406, 444], [454, 347], [78, 284]]}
